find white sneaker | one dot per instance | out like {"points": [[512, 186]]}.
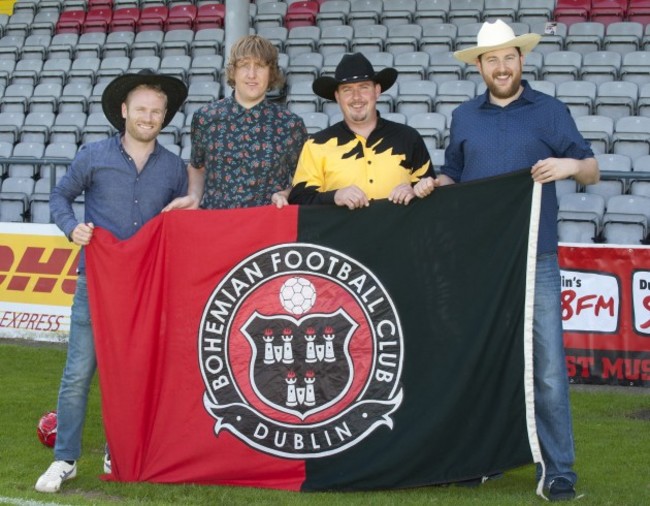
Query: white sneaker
{"points": [[107, 461], [58, 472]]}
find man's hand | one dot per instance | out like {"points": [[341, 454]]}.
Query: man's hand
{"points": [[425, 186], [280, 199], [401, 194], [352, 197], [187, 202], [82, 234]]}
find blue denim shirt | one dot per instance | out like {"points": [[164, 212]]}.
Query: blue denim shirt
{"points": [[488, 140], [117, 197]]}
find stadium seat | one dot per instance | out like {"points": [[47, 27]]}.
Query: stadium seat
{"points": [[432, 126], [579, 96], [181, 16], [398, 12], [533, 65], [315, 121], [177, 42], [200, 93], [585, 37], [270, 15], [152, 17], [413, 65], [598, 130], [576, 231], [63, 150], [610, 164], [632, 136], [451, 94], [335, 39], [333, 13], [277, 35], [416, 97], [302, 39], [616, 99], [572, 11], [535, 11], [501, 9], [467, 35], [565, 186], [27, 72], [369, 38], [125, 19], [209, 15], [304, 67], [14, 198], [600, 66], [623, 37], [85, 70], [30, 153], [643, 103], [63, 45], [45, 21], [301, 13], [147, 43], [68, 126], [403, 38], [465, 11], [35, 46], [301, 98], [552, 36], [112, 67], [45, 97], [608, 11], [16, 97], [636, 67], [365, 12], [139, 63], [205, 67], [626, 219], [432, 12], [177, 65], [207, 41], [90, 44], [639, 11], [583, 207], [438, 38], [97, 20], [444, 67], [641, 186], [560, 66]]}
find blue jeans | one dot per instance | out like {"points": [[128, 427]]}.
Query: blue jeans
{"points": [[553, 411], [79, 369]]}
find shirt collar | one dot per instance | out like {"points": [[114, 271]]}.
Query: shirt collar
{"points": [[237, 109]]}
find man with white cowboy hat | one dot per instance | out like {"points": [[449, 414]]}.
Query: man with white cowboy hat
{"points": [[127, 179], [508, 128], [364, 156]]}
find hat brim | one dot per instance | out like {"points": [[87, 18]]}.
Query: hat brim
{"points": [[525, 43], [325, 86], [117, 90]]}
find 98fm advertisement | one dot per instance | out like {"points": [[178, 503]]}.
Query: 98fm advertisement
{"points": [[606, 314]]}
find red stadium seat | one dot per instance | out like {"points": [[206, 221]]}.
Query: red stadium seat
{"points": [[70, 21], [181, 16], [209, 15], [153, 18], [97, 20], [608, 11], [301, 14], [99, 4], [124, 20], [572, 11], [639, 11]]}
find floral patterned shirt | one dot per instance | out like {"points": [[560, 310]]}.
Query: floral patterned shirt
{"points": [[248, 154]]}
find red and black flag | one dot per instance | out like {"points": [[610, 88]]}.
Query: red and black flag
{"points": [[317, 348]]}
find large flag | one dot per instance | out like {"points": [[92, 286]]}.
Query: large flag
{"points": [[316, 348]]}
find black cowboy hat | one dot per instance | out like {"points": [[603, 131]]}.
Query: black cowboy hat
{"points": [[352, 69], [115, 94]]}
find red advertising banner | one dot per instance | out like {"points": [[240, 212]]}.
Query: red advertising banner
{"points": [[606, 314]]}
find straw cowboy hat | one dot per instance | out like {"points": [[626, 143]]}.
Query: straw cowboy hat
{"points": [[353, 68], [115, 94], [497, 35]]}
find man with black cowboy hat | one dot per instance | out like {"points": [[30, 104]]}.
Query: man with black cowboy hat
{"points": [[127, 180], [508, 128], [363, 157]]}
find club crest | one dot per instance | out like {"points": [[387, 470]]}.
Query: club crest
{"points": [[300, 350]]}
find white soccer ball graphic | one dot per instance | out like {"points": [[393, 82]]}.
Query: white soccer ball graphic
{"points": [[297, 295]]}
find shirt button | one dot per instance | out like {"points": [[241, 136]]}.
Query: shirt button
{"points": [[371, 181], [369, 162], [135, 223], [136, 201]]}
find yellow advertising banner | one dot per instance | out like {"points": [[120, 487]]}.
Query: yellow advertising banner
{"points": [[37, 281]]}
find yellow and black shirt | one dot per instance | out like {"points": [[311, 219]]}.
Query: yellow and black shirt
{"points": [[336, 157]]}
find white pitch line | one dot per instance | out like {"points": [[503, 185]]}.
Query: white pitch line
{"points": [[25, 502]]}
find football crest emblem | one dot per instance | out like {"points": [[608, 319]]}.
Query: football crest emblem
{"points": [[301, 352]]}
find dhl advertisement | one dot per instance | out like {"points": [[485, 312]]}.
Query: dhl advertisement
{"points": [[37, 281]]}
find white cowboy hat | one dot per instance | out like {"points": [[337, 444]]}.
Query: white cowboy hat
{"points": [[497, 35]]}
